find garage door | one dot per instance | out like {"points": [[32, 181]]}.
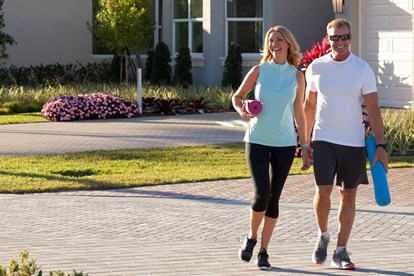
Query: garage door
{"points": [[387, 45]]}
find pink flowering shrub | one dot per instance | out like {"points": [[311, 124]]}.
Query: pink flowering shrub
{"points": [[88, 106]]}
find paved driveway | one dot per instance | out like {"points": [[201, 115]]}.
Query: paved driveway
{"points": [[190, 228]]}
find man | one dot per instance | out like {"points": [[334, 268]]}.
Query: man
{"points": [[337, 85]]}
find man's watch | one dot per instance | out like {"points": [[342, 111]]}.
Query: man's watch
{"points": [[384, 146]]}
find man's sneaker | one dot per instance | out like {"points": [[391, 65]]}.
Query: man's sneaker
{"points": [[246, 251], [342, 261], [320, 251], [262, 261]]}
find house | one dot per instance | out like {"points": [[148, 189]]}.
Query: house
{"points": [[51, 31], [383, 36]]}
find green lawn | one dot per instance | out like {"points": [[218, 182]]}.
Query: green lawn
{"points": [[131, 167], [22, 118]]}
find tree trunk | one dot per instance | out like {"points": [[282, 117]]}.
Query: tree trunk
{"points": [[120, 70], [126, 65]]}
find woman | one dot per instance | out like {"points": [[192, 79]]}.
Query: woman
{"points": [[270, 138]]}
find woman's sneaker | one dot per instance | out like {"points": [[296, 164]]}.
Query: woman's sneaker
{"points": [[246, 251], [263, 261], [341, 260], [320, 251]]}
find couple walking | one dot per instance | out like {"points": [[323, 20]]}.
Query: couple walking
{"points": [[328, 116]]}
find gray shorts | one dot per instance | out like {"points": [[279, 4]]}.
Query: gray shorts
{"points": [[347, 163]]}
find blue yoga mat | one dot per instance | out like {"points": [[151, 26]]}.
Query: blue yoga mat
{"points": [[379, 177]]}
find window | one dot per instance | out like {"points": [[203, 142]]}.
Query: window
{"points": [[245, 24], [188, 25]]}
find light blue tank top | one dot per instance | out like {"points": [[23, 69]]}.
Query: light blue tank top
{"points": [[276, 89]]}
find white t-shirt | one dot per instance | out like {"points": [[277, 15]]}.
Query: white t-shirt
{"points": [[340, 86]]}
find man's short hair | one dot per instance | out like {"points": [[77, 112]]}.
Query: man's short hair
{"points": [[338, 23]]}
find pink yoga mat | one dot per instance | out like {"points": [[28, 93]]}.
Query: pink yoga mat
{"points": [[253, 106]]}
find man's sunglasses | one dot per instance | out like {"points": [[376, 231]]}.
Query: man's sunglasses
{"points": [[336, 38]]}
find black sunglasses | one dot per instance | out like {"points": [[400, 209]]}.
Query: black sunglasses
{"points": [[336, 38]]}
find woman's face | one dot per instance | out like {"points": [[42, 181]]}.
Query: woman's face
{"points": [[278, 46]]}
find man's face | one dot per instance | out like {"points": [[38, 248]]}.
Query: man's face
{"points": [[339, 40]]}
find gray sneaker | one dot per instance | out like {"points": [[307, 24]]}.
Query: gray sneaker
{"points": [[246, 251], [341, 260], [320, 251]]}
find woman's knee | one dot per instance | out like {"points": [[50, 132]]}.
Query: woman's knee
{"points": [[260, 202]]}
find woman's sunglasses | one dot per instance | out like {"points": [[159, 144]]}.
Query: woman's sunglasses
{"points": [[336, 38]]}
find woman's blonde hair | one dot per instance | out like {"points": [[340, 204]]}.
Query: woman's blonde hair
{"points": [[294, 55]]}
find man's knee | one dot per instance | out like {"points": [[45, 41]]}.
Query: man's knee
{"points": [[323, 192], [348, 195]]}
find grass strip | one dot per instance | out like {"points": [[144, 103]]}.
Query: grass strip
{"points": [[97, 170]]}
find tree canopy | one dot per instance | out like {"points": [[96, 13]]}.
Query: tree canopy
{"points": [[122, 24], [4, 37]]}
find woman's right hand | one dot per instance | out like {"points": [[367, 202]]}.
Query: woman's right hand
{"points": [[244, 114]]}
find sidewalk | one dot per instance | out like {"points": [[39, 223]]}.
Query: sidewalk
{"points": [[157, 131], [191, 228]]}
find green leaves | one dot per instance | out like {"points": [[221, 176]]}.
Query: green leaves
{"points": [[122, 24]]}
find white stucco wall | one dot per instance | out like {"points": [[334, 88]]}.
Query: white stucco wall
{"points": [[48, 31], [55, 31]]}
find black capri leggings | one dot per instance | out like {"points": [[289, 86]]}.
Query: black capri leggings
{"points": [[269, 168]]}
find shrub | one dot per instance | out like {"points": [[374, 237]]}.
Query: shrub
{"points": [[224, 98], [399, 131], [148, 104], [4, 76], [233, 70], [199, 105], [92, 106], [169, 106], [115, 69], [14, 107], [21, 76], [57, 74], [25, 268], [148, 65], [161, 68], [182, 74]]}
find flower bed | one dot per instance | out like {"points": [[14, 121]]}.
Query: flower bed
{"points": [[88, 106]]}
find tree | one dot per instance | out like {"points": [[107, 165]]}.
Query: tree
{"points": [[120, 25], [233, 70], [5, 39], [182, 74], [161, 68]]}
